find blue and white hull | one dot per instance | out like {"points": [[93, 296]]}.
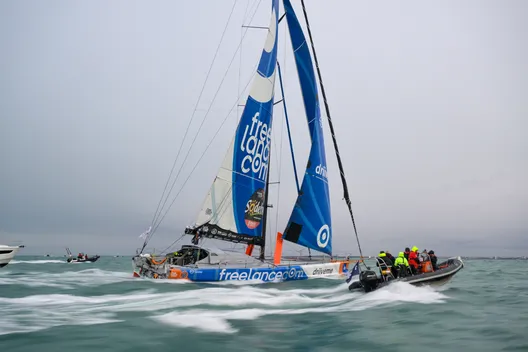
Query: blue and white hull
{"points": [[233, 270]]}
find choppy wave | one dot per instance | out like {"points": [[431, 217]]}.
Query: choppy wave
{"points": [[208, 309]]}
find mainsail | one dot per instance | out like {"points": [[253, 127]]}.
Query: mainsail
{"points": [[234, 207], [310, 222]]}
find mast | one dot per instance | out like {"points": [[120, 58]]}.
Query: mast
{"points": [[265, 213], [288, 127], [327, 109]]}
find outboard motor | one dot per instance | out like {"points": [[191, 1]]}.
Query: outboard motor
{"points": [[369, 280]]}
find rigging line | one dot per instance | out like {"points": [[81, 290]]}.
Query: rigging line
{"points": [[240, 59], [172, 244], [340, 164], [188, 126], [246, 15], [204, 119], [221, 208], [289, 134], [194, 111], [201, 157], [225, 208]]}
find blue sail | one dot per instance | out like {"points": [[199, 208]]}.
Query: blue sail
{"points": [[234, 207], [310, 222]]}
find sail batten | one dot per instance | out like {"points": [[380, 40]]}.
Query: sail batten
{"points": [[310, 221], [234, 207]]}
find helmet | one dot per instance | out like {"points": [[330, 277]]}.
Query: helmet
{"points": [[414, 248]]}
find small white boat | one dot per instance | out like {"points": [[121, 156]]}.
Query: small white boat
{"points": [[7, 253]]}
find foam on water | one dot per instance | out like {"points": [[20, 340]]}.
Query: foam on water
{"points": [[206, 309], [48, 261], [66, 280], [299, 302]]}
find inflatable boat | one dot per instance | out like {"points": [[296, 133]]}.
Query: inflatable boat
{"points": [[83, 260], [370, 281]]}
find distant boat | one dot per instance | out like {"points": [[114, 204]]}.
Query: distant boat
{"points": [[81, 258], [7, 253], [235, 209]]}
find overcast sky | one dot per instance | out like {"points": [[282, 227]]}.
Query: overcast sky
{"points": [[429, 100]]}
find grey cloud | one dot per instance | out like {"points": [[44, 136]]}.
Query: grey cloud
{"points": [[429, 102]]}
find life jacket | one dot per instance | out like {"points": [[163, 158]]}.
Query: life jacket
{"points": [[413, 259], [401, 261]]}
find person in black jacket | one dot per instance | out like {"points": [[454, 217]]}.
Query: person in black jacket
{"points": [[384, 263], [392, 259], [434, 259]]}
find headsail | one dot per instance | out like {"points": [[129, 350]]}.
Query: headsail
{"points": [[310, 222], [234, 206]]}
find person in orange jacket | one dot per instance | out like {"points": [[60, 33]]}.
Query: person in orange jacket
{"points": [[413, 259], [407, 252]]}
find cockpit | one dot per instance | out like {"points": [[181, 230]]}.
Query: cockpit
{"points": [[188, 254]]}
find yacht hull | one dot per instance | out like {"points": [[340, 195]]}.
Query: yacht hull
{"points": [[261, 271], [7, 253]]}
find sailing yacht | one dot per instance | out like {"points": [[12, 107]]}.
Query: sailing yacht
{"points": [[7, 253], [235, 208]]}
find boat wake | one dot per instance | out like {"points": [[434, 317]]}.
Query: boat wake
{"points": [[210, 309], [66, 280], [44, 261]]}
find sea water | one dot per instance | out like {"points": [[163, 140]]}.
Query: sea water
{"points": [[49, 305]]}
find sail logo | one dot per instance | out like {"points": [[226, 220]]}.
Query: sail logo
{"points": [[323, 236], [321, 171], [323, 271], [256, 144], [254, 209]]}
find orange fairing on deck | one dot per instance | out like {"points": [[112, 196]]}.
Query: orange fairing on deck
{"points": [[278, 249], [249, 249], [153, 261]]}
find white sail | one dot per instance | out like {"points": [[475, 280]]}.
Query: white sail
{"points": [[217, 208]]}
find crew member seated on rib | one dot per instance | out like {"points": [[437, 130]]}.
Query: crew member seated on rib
{"points": [[385, 264], [425, 262], [402, 265]]}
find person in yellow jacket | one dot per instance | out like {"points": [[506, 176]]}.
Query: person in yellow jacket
{"points": [[402, 264]]}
